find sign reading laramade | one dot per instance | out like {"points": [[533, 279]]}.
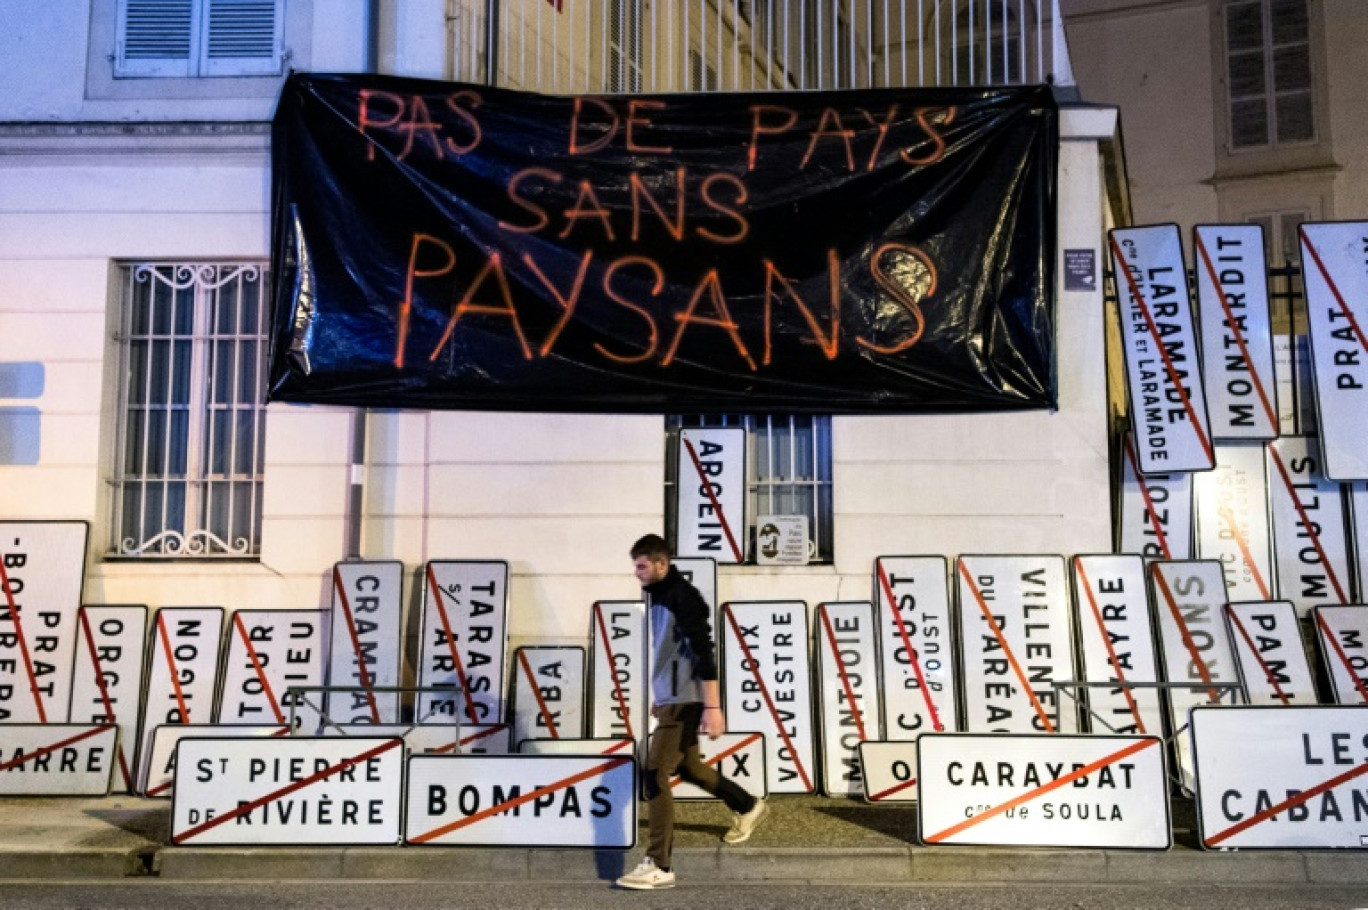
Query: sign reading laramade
{"points": [[465, 246]]}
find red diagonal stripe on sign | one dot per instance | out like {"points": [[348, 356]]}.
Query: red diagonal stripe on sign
{"points": [[1086, 585], [1297, 800], [912, 654], [437, 593], [1149, 502], [285, 791], [885, 794], [1006, 648], [1334, 289], [1249, 642], [712, 497], [841, 669], [536, 692], [520, 800], [260, 670], [172, 668], [1234, 326], [47, 750], [1360, 683], [1306, 521], [1228, 516], [1043, 789], [1184, 633], [356, 645], [23, 642], [104, 693], [725, 753], [612, 671], [764, 691]]}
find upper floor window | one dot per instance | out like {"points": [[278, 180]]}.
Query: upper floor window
{"points": [[624, 45], [1269, 84], [182, 38]]}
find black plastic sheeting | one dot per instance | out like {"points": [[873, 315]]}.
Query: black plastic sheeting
{"points": [[444, 245]]}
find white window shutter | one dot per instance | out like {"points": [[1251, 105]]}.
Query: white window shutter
{"points": [[156, 38], [181, 38], [242, 38]]}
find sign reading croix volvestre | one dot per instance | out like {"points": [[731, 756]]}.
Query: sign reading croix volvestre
{"points": [[365, 638], [288, 790], [57, 759], [1043, 791], [465, 623], [711, 494], [1307, 789], [1167, 401]]}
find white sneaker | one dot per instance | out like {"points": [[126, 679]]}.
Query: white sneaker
{"points": [[647, 877], [745, 822]]}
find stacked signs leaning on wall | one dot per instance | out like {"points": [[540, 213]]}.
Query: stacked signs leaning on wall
{"points": [[107, 685], [465, 623], [366, 635], [182, 678], [1117, 645]]}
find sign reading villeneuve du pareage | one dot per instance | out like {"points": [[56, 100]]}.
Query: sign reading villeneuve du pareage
{"points": [[1164, 378], [847, 692], [711, 494], [57, 759], [1308, 527], [1335, 266], [1267, 642], [1156, 511], [182, 674], [1232, 521], [108, 683], [1017, 640], [268, 652], [465, 623], [1117, 644], [1342, 633], [1237, 341], [917, 659], [365, 638], [42, 568], [1306, 791], [619, 681], [548, 693]]}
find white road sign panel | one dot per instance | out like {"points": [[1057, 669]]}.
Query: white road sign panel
{"points": [[1232, 521], [1308, 527], [161, 758], [108, 683], [548, 693], [57, 759], [740, 757], [916, 651], [701, 572], [1342, 633], [1266, 638], [619, 680], [465, 627], [890, 771], [1156, 511], [847, 692], [711, 494], [268, 652], [365, 639], [1117, 644], [182, 674]]}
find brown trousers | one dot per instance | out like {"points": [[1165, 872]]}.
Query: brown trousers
{"points": [[674, 750]]}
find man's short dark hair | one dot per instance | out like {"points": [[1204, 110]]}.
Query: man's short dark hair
{"points": [[652, 546]]}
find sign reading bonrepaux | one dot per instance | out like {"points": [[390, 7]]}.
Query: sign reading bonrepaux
{"points": [[1305, 791], [739, 757], [548, 693], [365, 639], [1043, 791], [268, 652], [1335, 258], [57, 759], [1156, 511], [768, 686], [710, 505], [1017, 641], [108, 683], [465, 627], [619, 680], [890, 771], [161, 758], [684, 254], [1164, 378], [1266, 638], [1237, 341], [288, 790], [916, 654], [1308, 527], [182, 674], [1342, 633], [42, 569], [847, 692], [1232, 521], [522, 801], [1117, 644]]}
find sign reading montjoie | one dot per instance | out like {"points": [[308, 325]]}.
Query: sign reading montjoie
{"points": [[1269, 654], [465, 623], [548, 693], [57, 759], [917, 660], [618, 678], [107, 685], [288, 790], [711, 494], [268, 652], [365, 636], [1237, 341], [1336, 275], [1043, 791], [182, 673], [1306, 790], [1308, 527], [1167, 401], [1156, 511], [1117, 644], [848, 692], [1232, 521]]}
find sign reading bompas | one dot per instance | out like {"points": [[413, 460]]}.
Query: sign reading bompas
{"points": [[464, 246]]}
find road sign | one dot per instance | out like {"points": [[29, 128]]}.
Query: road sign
{"points": [[1116, 640], [57, 759], [620, 680], [365, 641], [108, 683], [182, 674], [847, 692], [1266, 639], [268, 652], [890, 771], [465, 627], [711, 494], [160, 760], [548, 693], [1232, 521], [916, 652]]}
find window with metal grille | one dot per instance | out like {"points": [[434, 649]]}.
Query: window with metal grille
{"points": [[788, 471], [1269, 86], [624, 45], [189, 451], [181, 38], [702, 77]]}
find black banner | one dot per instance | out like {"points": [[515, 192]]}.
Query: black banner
{"points": [[442, 245]]}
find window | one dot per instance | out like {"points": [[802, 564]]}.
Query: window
{"points": [[1268, 74], [788, 471], [702, 77], [187, 467], [624, 45], [986, 42], [180, 38]]}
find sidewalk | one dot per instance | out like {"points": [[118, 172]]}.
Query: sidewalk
{"points": [[803, 840]]}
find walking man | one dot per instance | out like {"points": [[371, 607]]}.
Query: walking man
{"points": [[686, 699]]}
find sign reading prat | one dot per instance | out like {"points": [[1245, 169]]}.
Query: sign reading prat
{"points": [[1307, 789], [711, 491], [1268, 649], [1164, 378], [288, 790], [365, 636], [548, 693], [522, 801], [58, 759], [917, 659], [848, 692], [1336, 274], [1342, 633], [182, 674], [740, 757], [1308, 527], [1232, 521], [1237, 342], [107, 685], [42, 568], [161, 760], [1117, 644], [768, 686], [650, 254], [268, 652], [890, 771], [619, 681], [1043, 791], [465, 622], [1017, 641], [1156, 511]]}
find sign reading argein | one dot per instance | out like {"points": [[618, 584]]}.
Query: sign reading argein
{"points": [[465, 622], [365, 642], [711, 491], [464, 246]]}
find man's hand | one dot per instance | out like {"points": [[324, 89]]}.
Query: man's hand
{"points": [[714, 722]]}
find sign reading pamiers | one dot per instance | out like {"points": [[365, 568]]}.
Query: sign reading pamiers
{"points": [[711, 494], [917, 659], [890, 771], [288, 790], [268, 652], [1163, 372], [1342, 633], [365, 637], [182, 674], [1232, 521], [107, 685], [1043, 791], [161, 758], [57, 759], [522, 801], [1280, 777], [1117, 644], [618, 678], [465, 623], [1156, 511], [1267, 642], [1308, 527], [847, 690]]}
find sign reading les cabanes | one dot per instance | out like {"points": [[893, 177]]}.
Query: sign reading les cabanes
{"points": [[459, 246]]}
